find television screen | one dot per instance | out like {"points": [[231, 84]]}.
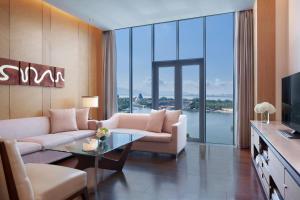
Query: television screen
{"points": [[291, 101]]}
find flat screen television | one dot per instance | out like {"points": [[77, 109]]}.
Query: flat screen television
{"points": [[291, 102]]}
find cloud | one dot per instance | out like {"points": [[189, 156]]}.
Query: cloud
{"points": [[163, 83], [218, 83]]}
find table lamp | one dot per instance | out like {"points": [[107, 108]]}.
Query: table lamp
{"points": [[89, 102]]}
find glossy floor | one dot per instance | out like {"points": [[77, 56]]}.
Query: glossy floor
{"points": [[200, 172]]}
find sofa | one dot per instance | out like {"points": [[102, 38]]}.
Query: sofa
{"points": [[172, 142], [33, 134]]}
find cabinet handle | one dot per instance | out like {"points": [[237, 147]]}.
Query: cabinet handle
{"points": [[285, 186]]}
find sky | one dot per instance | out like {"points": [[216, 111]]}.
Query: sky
{"points": [[219, 56]]}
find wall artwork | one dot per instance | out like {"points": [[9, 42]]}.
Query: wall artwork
{"points": [[9, 72], [59, 77], [14, 72]]}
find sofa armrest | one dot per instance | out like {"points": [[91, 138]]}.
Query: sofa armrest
{"points": [[110, 123], [93, 124], [179, 132]]}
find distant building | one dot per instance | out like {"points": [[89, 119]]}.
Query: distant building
{"points": [[139, 98]]}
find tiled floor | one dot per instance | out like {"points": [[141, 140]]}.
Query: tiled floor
{"points": [[200, 172]]}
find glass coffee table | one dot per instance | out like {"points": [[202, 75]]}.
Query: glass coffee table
{"points": [[94, 161], [99, 158]]}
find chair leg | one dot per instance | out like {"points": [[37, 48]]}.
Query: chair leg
{"points": [[85, 194]]}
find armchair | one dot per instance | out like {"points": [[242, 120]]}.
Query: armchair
{"points": [[37, 181]]}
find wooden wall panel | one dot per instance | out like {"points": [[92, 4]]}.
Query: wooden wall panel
{"points": [[64, 53], [95, 54], [4, 52], [282, 49], [26, 44], [37, 32], [265, 63], [83, 75], [46, 54]]}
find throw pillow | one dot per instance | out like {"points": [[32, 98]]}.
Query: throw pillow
{"points": [[82, 117], [156, 121], [63, 120], [172, 117]]}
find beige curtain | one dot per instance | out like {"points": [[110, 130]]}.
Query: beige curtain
{"points": [[110, 80], [245, 76]]}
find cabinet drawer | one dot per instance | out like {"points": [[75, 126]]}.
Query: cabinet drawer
{"points": [[252, 145], [264, 182], [255, 137], [276, 170], [265, 170], [292, 190]]}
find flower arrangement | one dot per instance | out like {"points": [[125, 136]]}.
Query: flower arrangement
{"points": [[265, 109], [102, 133]]}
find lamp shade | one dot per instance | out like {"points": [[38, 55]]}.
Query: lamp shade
{"points": [[89, 101]]}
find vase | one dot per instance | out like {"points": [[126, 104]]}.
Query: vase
{"points": [[100, 145], [265, 117], [103, 138]]}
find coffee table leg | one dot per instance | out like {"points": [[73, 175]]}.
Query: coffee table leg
{"points": [[85, 162], [111, 164], [97, 158]]}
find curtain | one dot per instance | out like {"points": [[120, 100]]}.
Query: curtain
{"points": [[110, 80], [245, 76]]}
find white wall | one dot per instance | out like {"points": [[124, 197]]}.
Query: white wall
{"points": [[282, 48], [287, 43], [294, 36]]}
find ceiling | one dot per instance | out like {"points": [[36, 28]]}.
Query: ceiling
{"points": [[115, 14]]}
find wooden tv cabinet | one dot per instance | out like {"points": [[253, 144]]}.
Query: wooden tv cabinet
{"points": [[277, 160]]}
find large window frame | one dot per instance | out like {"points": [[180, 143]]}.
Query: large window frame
{"points": [[178, 65], [203, 63]]}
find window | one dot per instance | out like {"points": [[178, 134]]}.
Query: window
{"points": [[219, 78], [191, 38], [190, 65], [141, 69], [165, 41], [122, 45]]}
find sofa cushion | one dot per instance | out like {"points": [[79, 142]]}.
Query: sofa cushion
{"points": [[24, 127], [63, 120], [50, 140], [28, 147], [79, 134], [148, 136], [132, 120], [156, 121], [82, 117], [171, 117], [57, 183]]}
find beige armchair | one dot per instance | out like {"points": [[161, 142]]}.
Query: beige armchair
{"points": [[21, 181]]}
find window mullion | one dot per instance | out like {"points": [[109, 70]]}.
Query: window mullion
{"points": [[130, 70]]}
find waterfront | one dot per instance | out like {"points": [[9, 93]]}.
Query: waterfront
{"points": [[218, 116]]}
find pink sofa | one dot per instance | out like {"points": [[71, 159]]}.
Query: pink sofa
{"points": [[172, 143], [33, 134]]}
